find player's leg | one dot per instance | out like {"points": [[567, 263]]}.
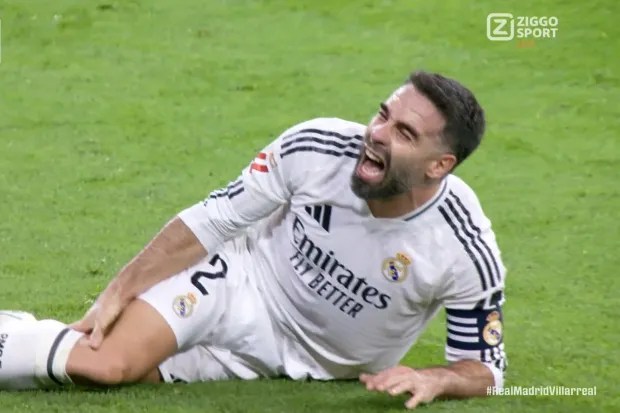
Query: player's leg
{"points": [[140, 340], [175, 314], [46, 353], [33, 352], [171, 317]]}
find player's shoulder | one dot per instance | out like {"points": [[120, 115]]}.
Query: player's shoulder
{"points": [[461, 211], [459, 190], [476, 265], [329, 128], [461, 203], [323, 138]]}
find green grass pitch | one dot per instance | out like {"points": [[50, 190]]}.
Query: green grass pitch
{"points": [[114, 115]]}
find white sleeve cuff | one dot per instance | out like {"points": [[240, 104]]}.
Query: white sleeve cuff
{"points": [[193, 217]]}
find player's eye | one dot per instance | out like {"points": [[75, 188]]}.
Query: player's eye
{"points": [[406, 133], [383, 115]]}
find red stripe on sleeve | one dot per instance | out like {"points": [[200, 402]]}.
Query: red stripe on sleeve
{"points": [[259, 168]]}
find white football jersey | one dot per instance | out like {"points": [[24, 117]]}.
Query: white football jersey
{"points": [[355, 291]]}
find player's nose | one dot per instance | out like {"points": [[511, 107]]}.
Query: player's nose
{"points": [[379, 134]]}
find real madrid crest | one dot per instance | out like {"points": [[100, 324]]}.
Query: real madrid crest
{"points": [[492, 332], [183, 305], [395, 269]]}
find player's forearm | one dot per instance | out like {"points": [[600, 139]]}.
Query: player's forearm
{"points": [[466, 378], [172, 250]]}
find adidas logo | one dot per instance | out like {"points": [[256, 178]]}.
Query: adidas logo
{"points": [[321, 214]]}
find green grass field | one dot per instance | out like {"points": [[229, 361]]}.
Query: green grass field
{"points": [[115, 115]]}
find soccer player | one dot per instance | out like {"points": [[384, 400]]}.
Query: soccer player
{"points": [[325, 259]]}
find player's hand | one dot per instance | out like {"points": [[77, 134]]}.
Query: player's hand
{"points": [[401, 379], [100, 317]]}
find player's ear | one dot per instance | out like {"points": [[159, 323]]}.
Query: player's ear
{"points": [[441, 166]]}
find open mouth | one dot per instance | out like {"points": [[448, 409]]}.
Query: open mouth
{"points": [[372, 166]]}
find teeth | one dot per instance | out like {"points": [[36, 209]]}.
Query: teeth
{"points": [[373, 157]]}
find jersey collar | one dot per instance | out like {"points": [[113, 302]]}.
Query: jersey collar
{"points": [[428, 204], [409, 215]]}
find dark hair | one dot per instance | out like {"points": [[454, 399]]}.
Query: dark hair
{"points": [[464, 117]]}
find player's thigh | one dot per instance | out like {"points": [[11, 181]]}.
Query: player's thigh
{"points": [[193, 302], [172, 316], [137, 343]]}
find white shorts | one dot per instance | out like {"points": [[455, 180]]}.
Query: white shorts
{"points": [[222, 327]]}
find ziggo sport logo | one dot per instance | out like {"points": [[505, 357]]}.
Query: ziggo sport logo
{"points": [[501, 27]]}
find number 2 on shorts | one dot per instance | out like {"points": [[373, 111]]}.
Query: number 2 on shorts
{"points": [[210, 275]]}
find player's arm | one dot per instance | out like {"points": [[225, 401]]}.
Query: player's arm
{"points": [[472, 293], [203, 227], [475, 341], [267, 183], [473, 296], [461, 379], [172, 250], [475, 355]]}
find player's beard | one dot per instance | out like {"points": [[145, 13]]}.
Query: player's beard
{"points": [[397, 179]]}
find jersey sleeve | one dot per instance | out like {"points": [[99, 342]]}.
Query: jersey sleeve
{"points": [[477, 333], [264, 184], [474, 291], [270, 180]]}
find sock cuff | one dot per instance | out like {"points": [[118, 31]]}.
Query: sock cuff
{"points": [[53, 353], [57, 359]]}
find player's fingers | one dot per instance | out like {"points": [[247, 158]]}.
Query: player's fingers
{"points": [[405, 385], [380, 377], [368, 381], [104, 320], [392, 380], [373, 381], [86, 323], [365, 378], [413, 402], [96, 337]]}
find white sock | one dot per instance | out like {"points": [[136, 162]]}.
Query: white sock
{"points": [[33, 354]]}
